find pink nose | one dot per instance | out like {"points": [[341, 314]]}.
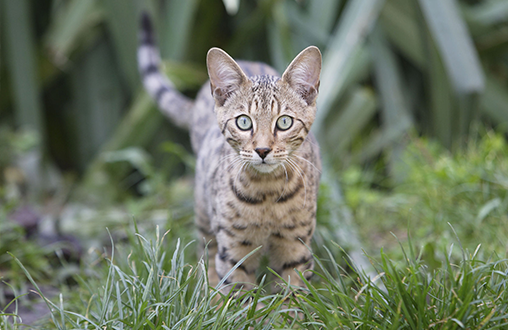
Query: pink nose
{"points": [[262, 152]]}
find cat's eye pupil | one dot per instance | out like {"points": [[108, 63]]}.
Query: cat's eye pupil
{"points": [[284, 122], [244, 123]]}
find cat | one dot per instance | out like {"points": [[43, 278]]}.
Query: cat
{"points": [[258, 165]]}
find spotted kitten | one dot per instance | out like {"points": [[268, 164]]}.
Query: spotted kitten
{"points": [[258, 165]]}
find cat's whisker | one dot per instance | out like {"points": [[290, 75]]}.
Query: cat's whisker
{"points": [[313, 143], [285, 183], [297, 169], [234, 163], [228, 157], [236, 177], [300, 157]]}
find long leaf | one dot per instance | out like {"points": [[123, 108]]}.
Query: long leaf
{"points": [[455, 45], [22, 63], [494, 102], [490, 12], [98, 100], [401, 27], [355, 23], [71, 24], [322, 13], [178, 22], [122, 17], [357, 112], [279, 38], [304, 27], [394, 112], [442, 111]]}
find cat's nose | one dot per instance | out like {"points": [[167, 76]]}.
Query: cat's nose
{"points": [[262, 152]]}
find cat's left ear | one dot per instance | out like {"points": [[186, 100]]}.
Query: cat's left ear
{"points": [[303, 73], [225, 74]]}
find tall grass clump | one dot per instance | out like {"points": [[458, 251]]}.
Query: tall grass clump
{"points": [[467, 295], [146, 284], [152, 287]]}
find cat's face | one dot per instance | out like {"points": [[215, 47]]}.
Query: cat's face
{"points": [[264, 118]]}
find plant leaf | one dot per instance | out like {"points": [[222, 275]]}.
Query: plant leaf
{"points": [[455, 45], [344, 46]]}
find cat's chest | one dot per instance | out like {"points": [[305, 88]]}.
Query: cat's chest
{"points": [[265, 221], [280, 204]]}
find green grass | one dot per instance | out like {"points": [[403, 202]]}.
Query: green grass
{"points": [[147, 284], [466, 190]]}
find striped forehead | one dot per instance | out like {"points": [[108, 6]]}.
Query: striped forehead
{"points": [[264, 90]]}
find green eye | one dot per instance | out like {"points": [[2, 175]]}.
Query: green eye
{"points": [[243, 122], [284, 123]]}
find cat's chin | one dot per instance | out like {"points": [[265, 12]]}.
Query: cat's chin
{"points": [[264, 167]]}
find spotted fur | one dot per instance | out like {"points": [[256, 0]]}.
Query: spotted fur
{"points": [[253, 187]]}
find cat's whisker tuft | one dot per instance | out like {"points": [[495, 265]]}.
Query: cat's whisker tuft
{"points": [[300, 157], [298, 170], [285, 182]]}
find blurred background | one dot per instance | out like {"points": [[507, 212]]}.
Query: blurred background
{"points": [[69, 71], [83, 147]]}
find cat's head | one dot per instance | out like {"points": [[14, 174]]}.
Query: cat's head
{"points": [[265, 118]]}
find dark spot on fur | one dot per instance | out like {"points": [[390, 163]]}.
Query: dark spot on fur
{"points": [[291, 194], [246, 243], [223, 255], [294, 264], [239, 227], [304, 126], [232, 206], [226, 231], [277, 234], [161, 91], [204, 230], [243, 198], [305, 223], [290, 226]]}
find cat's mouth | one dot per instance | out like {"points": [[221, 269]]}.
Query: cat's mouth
{"points": [[265, 167]]}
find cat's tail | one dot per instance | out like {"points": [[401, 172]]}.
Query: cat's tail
{"points": [[172, 104]]}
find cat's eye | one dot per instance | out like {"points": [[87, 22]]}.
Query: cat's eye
{"points": [[284, 123], [243, 122]]}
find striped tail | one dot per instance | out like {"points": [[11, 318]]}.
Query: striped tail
{"points": [[172, 104]]}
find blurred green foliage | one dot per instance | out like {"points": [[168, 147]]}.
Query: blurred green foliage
{"points": [[69, 68], [393, 71], [466, 191]]}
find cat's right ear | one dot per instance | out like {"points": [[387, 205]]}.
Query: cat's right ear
{"points": [[225, 74]]}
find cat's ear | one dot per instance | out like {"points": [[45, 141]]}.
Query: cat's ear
{"points": [[225, 74], [303, 73]]}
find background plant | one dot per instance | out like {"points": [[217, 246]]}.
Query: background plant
{"points": [[412, 111]]}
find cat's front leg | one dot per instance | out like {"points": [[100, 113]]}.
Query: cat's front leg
{"points": [[287, 253], [232, 247]]}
